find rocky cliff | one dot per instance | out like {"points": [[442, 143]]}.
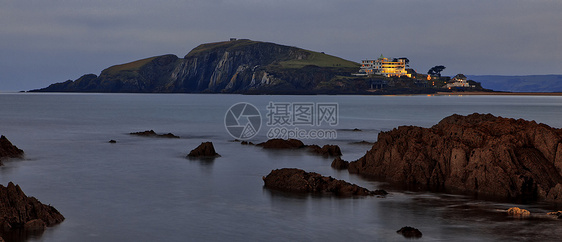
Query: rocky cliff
{"points": [[241, 66], [477, 154]]}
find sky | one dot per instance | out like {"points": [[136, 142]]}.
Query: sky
{"points": [[43, 42]]}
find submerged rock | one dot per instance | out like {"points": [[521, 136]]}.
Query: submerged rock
{"points": [[410, 232], [204, 150], [8, 150], [20, 211], [151, 133], [299, 181], [480, 154]]}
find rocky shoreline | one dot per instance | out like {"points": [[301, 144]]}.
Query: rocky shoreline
{"points": [[478, 154]]}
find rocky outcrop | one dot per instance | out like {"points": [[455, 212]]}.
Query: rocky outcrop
{"points": [[410, 232], [282, 144], [299, 181], [151, 133], [20, 211], [479, 154], [8, 150], [326, 150], [204, 150]]}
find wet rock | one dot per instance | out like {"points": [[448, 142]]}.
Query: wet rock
{"points": [[282, 144], [299, 181], [339, 164], [112, 141], [8, 150], [204, 150], [246, 143], [151, 133], [410, 232], [478, 154], [356, 130], [557, 214], [326, 150], [20, 211], [518, 212]]}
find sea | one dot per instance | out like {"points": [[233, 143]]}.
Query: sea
{"points": [[145, 189]]}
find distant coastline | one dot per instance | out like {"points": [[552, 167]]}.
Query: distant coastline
{"points": [[502, 93]]}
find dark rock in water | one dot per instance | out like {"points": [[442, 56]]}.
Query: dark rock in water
{"points": [[282, 144], [409, 232], [8, 150], [339, 164], [20, 211], [112, 141], [151, 133], [326, 150], [363, 142], [299, 181], [204, 150], [356, 130], [480, 154], [246, 143]]}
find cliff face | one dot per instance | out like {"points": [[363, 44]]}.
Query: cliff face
{"points": [[479, 154], [241, 66]]}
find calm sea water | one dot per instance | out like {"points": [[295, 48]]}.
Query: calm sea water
{"points": [[144, 189]]}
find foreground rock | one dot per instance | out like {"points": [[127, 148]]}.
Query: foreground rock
{"points": [[409, 232], [204, 150], [8, 150], [19, 211], [299, 181], [480, 154], [151, 133]]}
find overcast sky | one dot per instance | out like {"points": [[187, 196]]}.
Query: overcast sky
{"points": [[42, 42]]}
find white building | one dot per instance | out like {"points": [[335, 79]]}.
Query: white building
{"points": [[459, 80], [385, 67]]}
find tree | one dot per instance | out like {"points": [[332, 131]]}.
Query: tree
{"points": [[436, 71]]}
